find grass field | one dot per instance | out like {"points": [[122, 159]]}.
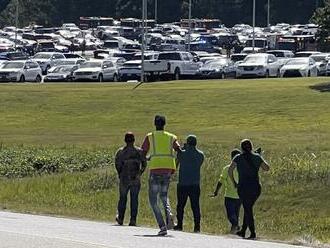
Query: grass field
{"points": [[285, 117]]}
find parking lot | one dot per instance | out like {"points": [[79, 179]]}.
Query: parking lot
{"points": [[109, 50]]}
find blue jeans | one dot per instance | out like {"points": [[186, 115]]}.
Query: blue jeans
{"points": [[134, 190], [158, 187], [232, 207]]}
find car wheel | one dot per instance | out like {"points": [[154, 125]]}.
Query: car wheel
{"points": [[115, 78], [278, 74], [47, 69], [267, 74], [100, 78], [223, 76], [22, 79], [38, 79], [177, 74]]}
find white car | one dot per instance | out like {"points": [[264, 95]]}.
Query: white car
{"points": [[306, 54], [97, 70], [321, 61], [20, 71], [67, 62], [259, 65], [46, 60], [299, 67]]}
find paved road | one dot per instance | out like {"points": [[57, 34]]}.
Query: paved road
{"points": [[31, 231]]}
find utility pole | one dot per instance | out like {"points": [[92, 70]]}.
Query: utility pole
{"points": [[16, 22], [268, 14], [253, 25], [189, 23]]}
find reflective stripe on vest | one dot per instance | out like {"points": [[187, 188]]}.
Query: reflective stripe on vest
{"points": [[161, 153]]}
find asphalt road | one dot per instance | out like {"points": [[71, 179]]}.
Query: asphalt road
{"points": [[32, 231]]}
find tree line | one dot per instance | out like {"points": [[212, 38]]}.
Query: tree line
{"points": [[230, 12]]}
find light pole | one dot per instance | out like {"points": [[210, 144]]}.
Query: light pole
{"points": [[143, 38], [268, 14], [253, 25], [189, 29], [16, 22], [156, 10]]}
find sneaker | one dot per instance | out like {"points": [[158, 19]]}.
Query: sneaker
{"points": [[177, 228], [241, 234], [234, 229], [132, 223], [119, 221], [197, 229], [253, 236], [162, 232]]}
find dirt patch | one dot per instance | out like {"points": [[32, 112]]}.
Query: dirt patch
{"points": [[323, 87]]}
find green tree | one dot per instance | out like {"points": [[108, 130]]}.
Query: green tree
{"points": [[322, 18]]}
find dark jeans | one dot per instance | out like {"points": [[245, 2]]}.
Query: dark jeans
{"points": [[158, 187], [232, 207], [249, 194], [193, 192], [134, 190]]}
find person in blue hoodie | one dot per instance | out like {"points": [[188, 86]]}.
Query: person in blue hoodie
{"points": [[190, 160]]}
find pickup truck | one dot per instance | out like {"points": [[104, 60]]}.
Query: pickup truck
{"points": [[180, 64], [131, 70]]}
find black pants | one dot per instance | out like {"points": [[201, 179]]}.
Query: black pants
{"points": [[249, 194], [232, 208], [193, 192], [134, 190]]}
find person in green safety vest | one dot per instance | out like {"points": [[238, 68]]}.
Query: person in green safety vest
{"points": [[160, 146]]}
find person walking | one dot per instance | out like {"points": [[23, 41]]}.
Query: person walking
{"points": [[160, 147], [248, 186], [190, 161], [232, 201], [130, 163]]}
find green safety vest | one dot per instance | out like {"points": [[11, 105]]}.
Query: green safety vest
{"points": [[161, 153]]}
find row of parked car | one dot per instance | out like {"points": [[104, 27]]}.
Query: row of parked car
{"points": [[104, 49], [61, 67]]}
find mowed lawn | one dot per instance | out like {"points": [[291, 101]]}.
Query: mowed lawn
{"points": [[273, 112], [283, 116]]}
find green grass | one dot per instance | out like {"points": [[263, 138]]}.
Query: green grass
{"points": [[285, 117]]}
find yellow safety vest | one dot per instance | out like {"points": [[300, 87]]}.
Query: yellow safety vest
{"points": [[161, 153]]}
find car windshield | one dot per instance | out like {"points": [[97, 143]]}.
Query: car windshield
{"points": [[297, 61], [66, 62], [42, 56], [139, 57], [62, 69], [277, 54], [91, 65], [255, 59], [13, 65], [319, 58], [218, 62]]}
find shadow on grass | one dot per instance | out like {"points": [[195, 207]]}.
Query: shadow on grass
{"points": [[323, 87]]}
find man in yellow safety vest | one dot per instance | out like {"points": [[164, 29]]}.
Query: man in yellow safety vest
{"points": [[160, 147]]}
